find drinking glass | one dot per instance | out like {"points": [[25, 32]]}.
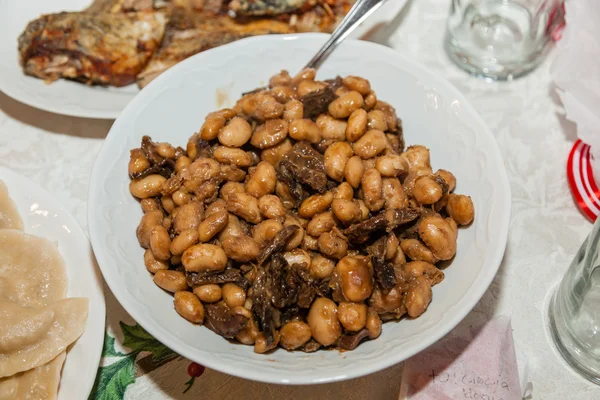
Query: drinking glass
{"points": [[575, 310], [501, 39]]}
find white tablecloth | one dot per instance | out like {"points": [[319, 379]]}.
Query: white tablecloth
{"points": [[546, 230]]}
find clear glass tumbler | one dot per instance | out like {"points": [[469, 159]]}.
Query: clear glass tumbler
{"points": [[501, 39], [575, 310]]}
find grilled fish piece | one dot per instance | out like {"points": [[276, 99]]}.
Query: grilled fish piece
{"points": [[118, 6], [95, 48], [266, 7], [189, 33]]}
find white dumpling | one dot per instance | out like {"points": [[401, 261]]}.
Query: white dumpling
{"points": [[32, 271], [39, 383], [33, 347], [9, 216]]}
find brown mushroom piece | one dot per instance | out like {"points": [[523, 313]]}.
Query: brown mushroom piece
{"points": [[350, 341], [222, 320]]}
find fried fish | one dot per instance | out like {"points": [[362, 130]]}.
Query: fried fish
{"points": [[267, 7], [94, 48], [190, 33]]}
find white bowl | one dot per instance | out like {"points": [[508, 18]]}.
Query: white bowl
{"points": [[173, 107]]}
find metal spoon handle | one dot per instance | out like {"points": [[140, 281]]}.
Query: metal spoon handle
{"points": [[357, 14]]}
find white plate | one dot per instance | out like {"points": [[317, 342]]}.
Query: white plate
{"points": [[76, 99], [173, 107], [43, 216]]}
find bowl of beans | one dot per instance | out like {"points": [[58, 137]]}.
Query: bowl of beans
{"points": [[299, 227]]}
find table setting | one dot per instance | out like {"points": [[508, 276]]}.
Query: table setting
{"points": [[410, 215]]}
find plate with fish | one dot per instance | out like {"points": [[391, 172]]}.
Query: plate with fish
{"points": [[52, 308], [89, 59]]}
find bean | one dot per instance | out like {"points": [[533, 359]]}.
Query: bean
{"points": [[262, 181], [266, 231], [210, 293], [307, 74], [361, 85], [448, 177], [370, 144], [417, 251], [235, 156], [305, 129], [182, 163], [240, 248], [363, 209], [346, 211], [439, 237], [148, 186], [357, 125], [151, 204], [212, 225], [236, 133], [418, 159], [297, 237], [231, 173], [147, 223], [249, 334], [331, 128], [391, 165], [355, 278], [215, 207], [171, 281], [418, 297], [321, 267], [308, 86], [376, 120], [204, 257], [427, 191], [160, 243], [233, 295], [245, 206], [372, 188], [230, 188], [317, 203], [269, 108], [188, 216], [336, 156], [309, 243], [320, 224], [393, 194], [201, 170], [390, 115], [189, 307], [343, 191], [270, 206], [294, 335], [272, 132], [353, 316], [461, 209], [138, 162], [294, 110], [283, 94], [181, 197], [298, 256], [165, 150], [370, 100], [391, 246], [211, 127], [167, 203], [183, 241], [261, 344], [323, 321], [343, 106], [274, 154], [283, 78], [373, 324], [332, 245], [152, 264], [354, 171]]}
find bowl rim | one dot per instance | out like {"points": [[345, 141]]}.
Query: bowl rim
{"points": [[362, 370]]}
